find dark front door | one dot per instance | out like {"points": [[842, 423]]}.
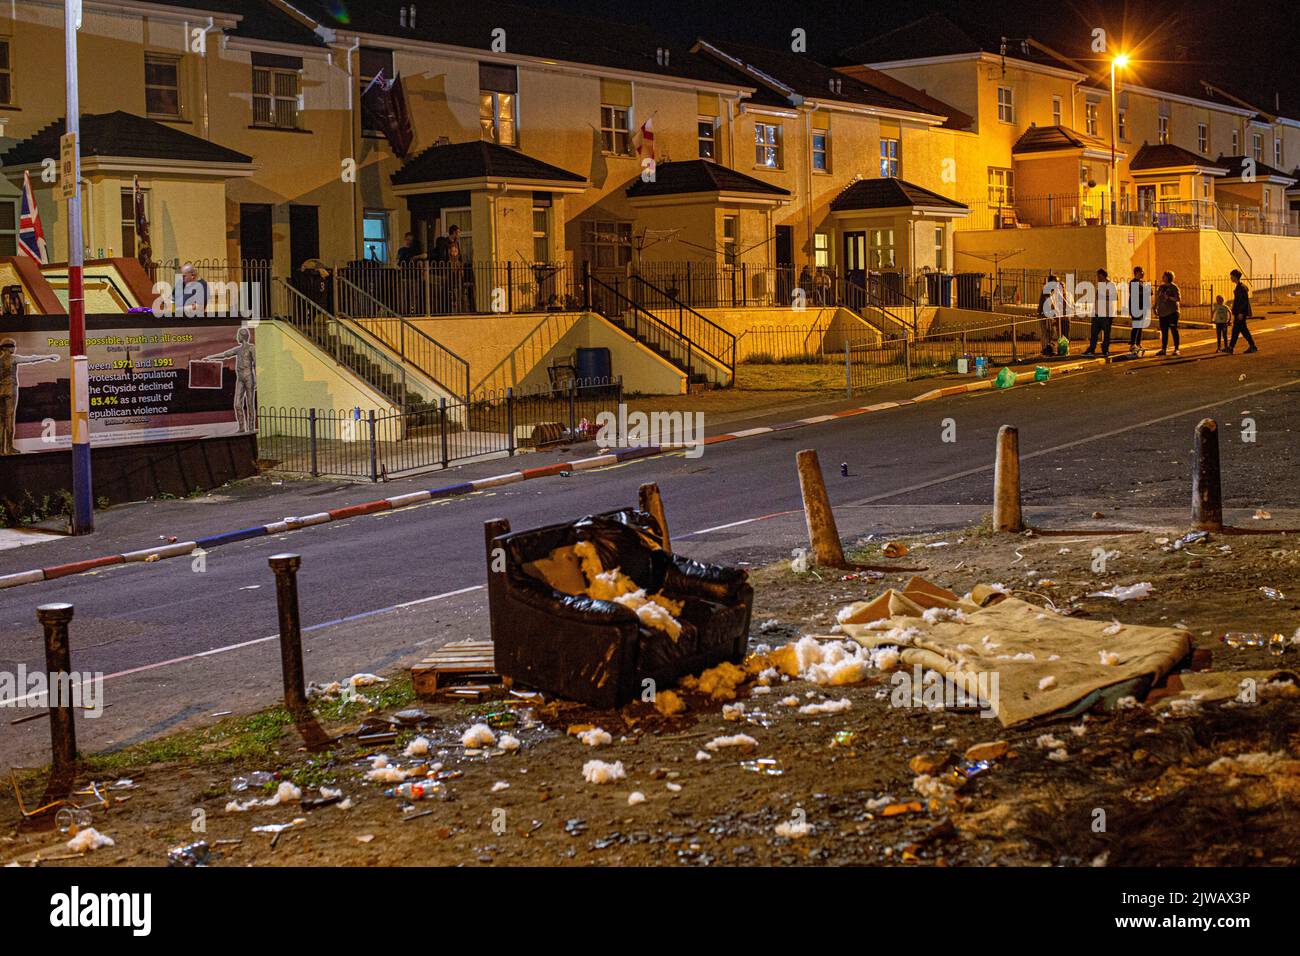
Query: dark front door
{"points": [[256, 250], [785, 278], [304, 235], [855, 258]]}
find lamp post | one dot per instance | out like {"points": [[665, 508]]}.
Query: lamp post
{"points": [[83, 502], [1120, 60]]}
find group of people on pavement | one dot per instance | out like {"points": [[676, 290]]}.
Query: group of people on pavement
{"points": [[1165, 301]]}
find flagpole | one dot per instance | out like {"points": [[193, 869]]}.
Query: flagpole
{"points": [[83, 503]]}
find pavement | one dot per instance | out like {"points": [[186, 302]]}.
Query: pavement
{"points": [[179, 641]]}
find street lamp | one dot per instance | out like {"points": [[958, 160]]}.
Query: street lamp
{"points": [[1119, 61]]}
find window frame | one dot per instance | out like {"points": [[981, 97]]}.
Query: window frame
{"points": [[610, 133], [166, 59], [1009, 106], [9, 237], [1257, 147], [494, 97], [891, 159], [7, 71], [1002, 186], [1203, 138], [592, 243], [1236, 143], [762, 146], [1121, 124], [712, 139], [821, 250], [824, 152], [383, 216], [544, 234], [126, 197], [273, 97], [876, 248], [1162, 130], [731, 243], [1057, 105], [1091, 116], [1278, 160]]}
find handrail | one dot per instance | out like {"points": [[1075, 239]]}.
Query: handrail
{"points": [[446, 366], [706, 335], [1227, 226], [860, 301], [328, 332], [647, 327]]}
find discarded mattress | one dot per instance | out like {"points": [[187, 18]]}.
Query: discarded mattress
{"points": [[1032, 662]]}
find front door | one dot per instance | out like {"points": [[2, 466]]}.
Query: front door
{"points": [[785, 278], [304, 236], [855, 258], [256, 250]]}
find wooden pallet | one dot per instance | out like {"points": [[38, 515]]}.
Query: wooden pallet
{"points": [[457, 663]]}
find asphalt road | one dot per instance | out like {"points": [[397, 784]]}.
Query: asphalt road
{"points": [[378, 592]]}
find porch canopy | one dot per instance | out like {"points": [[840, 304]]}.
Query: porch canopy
{"points": [[877, 220], [1062, 177], [702, 181]]}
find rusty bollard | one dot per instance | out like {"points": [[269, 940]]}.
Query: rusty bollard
{"points": [[58, 668], [823, 535], [1207, 489], [652, 502], [286, 568], [1007, 514]]}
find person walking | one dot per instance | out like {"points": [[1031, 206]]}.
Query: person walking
{"points": [[1220, 314], [1167, 299], [1051, 308], [1139, 308], [1103, 312], [1240, 314]]}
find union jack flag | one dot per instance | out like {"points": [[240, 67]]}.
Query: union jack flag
{"points": [[31, 236]]}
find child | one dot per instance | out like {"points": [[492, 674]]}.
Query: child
{"points": [[1221, 315]]}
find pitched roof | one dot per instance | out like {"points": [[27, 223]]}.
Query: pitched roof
{"points": [[1041, 139], [122, 134], [259, 20], [1236, 164], [700, 176], [805, 77], [478, 160], [889, 194], [896, 87], [548, 34], [932, 35], [1168, 156]]}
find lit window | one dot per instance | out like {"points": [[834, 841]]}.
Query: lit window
{"points": [[541, 232], [880, 249], [497, 103], [1162, 130], [1056, 111], [730, 236], [821, 150], [767, 145], [1122, 123], [615, 136], [275, 97], [1001, 190], [1090, 117], [162, 85], [1277, 151], [708, 136], [821, 250], [374, 235], [889, 158], [940, 260], [1006, 105], [1257, 147], [1202, 137]]}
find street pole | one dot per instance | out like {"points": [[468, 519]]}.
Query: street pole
{"points": [[1114, 135], [83, 503]]}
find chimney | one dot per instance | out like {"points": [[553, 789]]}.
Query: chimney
{"points": [[412, 17], [401, 17]]}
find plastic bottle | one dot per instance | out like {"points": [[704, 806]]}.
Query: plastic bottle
{"points": [[1240, 639], [414, 790]]}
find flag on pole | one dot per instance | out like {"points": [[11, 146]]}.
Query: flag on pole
{"points": [[644, 140], [31, 235], [385, 102], [143, 244]]}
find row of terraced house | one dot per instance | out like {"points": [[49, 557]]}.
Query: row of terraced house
{"points": [[568, 152]]}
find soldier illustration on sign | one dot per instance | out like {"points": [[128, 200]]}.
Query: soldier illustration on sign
{"points": [[245, 357], [9, 362]]}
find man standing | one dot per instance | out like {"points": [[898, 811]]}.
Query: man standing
{"points": [[194, 292], [1240, 313], [409, 250], [9, 362], [1139, 308], [1103, 312], [1168, 298], [1051, 309]]}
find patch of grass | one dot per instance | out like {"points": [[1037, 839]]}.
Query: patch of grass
{"points": [[233, 740], [984, 529], [390, 695]]}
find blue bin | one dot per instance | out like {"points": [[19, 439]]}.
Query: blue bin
{"points": [[594, 364]]}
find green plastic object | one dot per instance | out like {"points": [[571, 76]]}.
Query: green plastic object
{"points": [[1042, 373], [1062, 346], [1006, 378]]}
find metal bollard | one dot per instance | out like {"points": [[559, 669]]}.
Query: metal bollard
{"points": [[1007, 515], [286, 568], [1207, 489], [58, 667], [823, 536], [652, 502]]}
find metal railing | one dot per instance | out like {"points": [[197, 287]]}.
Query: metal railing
{"points": [[706, 337], [427, 287], [648, 329], [444, 367], [378, 445]]}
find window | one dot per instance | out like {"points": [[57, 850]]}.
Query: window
{"points": [[1001, 187], [767, 145], [615, 137], [541, 230], [374, 235], [821, 150], [940, 260], [1006, 105], [821, 250], [1202, 137], [8, 228], [889, 158], [373, 62], [128, 221], [462, 219], [880, 249], [1236, 143], [708, 137], [275, 91], [1056, 111], [1121, 121], [162, 85], [1162, 129], [607, 244], [6, 74], [1257, 147], [497, 103], [1277, 150], [730, 237], [1090, 109]]}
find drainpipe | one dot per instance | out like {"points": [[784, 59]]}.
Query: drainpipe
{"points": [[731, 133], [209, 29], [808, 179], [354, 114]]}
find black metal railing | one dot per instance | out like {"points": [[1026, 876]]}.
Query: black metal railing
{"points": [[706, 337], [648, 329]]}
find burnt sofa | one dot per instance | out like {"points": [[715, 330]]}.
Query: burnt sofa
{"points": [[597, 652]]}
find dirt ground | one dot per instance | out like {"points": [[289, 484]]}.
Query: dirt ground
{"points": [[1145, 775]]}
